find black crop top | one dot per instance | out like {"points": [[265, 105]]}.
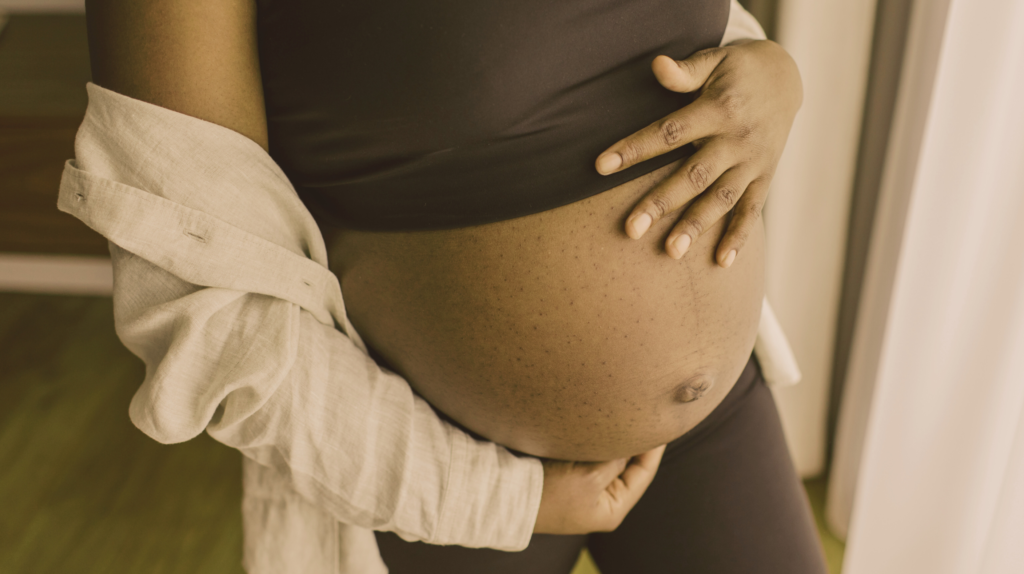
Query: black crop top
{"points": [[389, 115]]}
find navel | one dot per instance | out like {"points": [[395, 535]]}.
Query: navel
{"points": [[694, 388]]}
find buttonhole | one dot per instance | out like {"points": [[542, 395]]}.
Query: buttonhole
{"points": [[198, 238]]}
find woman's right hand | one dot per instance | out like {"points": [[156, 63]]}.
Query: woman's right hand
{"points": [[585, 497]]}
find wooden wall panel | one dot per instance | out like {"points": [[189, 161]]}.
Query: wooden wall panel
{"points": [[44, 66]]}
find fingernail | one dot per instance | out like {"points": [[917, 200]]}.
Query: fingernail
{"points": [[729, 258], [641, 223], [608, 163], [682, 244]]}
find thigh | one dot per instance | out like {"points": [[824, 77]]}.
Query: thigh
{"points": [[546, 554], [726, 500]]}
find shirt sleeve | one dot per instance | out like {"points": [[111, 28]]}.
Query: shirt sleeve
{"points": [[229, 348], [741, 25], [298, 396]]}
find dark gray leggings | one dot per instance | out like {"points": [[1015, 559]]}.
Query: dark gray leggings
{"points": [[726, 500]]}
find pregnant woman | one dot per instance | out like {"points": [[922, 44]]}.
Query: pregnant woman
{"points": [[540, 290]]}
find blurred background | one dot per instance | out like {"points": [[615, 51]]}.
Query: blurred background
{"points": [[895, 235]]}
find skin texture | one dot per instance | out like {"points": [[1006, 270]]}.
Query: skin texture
{"points": [[556, 334], [473, 316]]}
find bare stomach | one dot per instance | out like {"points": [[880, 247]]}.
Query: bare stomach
{"points": [[555, 334]]}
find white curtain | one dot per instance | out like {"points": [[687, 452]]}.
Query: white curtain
{"points": [[929, 468], [807, 211]]}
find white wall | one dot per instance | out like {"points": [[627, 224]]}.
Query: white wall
{"points": [[58, 274]]}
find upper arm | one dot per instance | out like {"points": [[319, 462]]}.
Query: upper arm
{"points": [[197, 57]]}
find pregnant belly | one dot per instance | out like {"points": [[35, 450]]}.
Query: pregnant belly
{"points": [[555, 334]]}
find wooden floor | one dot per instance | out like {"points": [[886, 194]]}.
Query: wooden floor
{"points": [[81, 490]]}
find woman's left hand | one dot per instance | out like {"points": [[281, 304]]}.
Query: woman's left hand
{"points": [[749, 94]]}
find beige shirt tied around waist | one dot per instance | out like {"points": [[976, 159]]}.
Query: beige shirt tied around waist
{"points": [[221, 287]]}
